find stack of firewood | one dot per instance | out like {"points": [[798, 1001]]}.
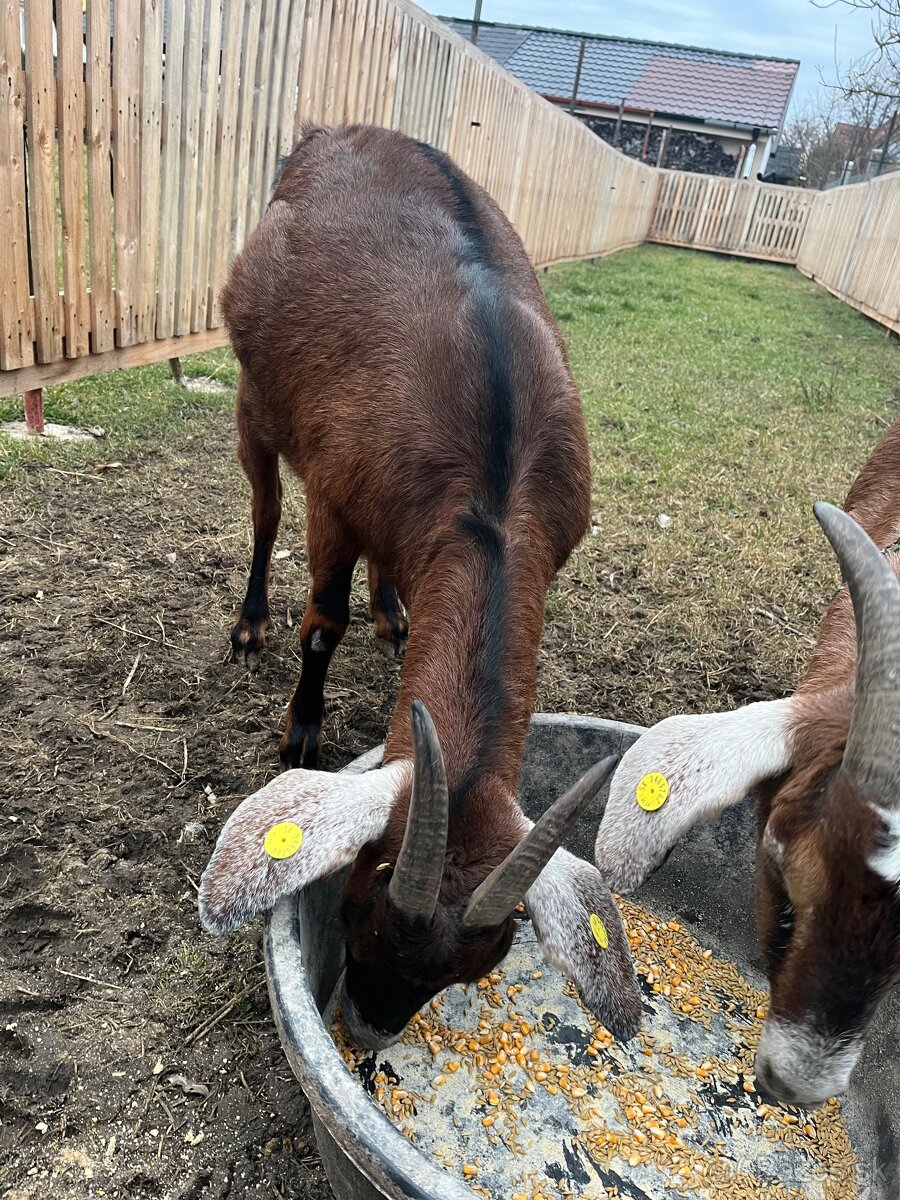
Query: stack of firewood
{"points": [[684, 151]]}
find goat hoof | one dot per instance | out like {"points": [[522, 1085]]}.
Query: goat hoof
{"points": [[301, 747], [392, 646], [391, 634], [248, 640]]}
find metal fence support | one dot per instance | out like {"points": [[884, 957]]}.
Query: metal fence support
{"points": [[577, 82], [476, 21]]}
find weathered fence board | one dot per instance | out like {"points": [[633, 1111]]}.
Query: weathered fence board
{"points": [[100, 198], [16, 334], [41, 122], [151, 160], [185, 281], [206, 165], [171, 173], [175, 115], [127, 81], [70, 132], [219, 208]]}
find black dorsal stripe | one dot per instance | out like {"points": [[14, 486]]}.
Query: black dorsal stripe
{"points": [[463, 209], [482, 524]]}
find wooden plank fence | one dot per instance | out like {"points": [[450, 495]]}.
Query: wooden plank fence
{"points": [[733, 216], [852, 246], [847, 239], [139, 139]]}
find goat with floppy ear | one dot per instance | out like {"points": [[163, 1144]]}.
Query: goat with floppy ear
{"points": [[397, 352], [409, 931], [824, 765]]}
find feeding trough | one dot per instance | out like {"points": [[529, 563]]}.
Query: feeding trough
{"points": [[706, 887]]}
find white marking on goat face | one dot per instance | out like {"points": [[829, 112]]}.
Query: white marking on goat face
{"points": [[797, 1065], [885, 861], [710, 762]]}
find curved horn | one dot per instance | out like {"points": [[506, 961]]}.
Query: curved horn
{"points": [[493, 900], [416, 881], [872, 753]]}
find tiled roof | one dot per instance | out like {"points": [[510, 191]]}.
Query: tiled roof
{"points": [[716, 86]]}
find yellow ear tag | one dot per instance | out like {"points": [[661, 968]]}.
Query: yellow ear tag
{"points": [[652, 792], [283, 840], [598, 929]]}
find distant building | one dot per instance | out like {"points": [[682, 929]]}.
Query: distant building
{"points": [[676, 106], [866, 151], [783, 165]]}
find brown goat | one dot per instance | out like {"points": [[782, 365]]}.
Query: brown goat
{"points": [[397, 352], [825, 768]]}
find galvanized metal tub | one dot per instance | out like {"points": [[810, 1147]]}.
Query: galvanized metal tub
{"points": [[707, 883]]}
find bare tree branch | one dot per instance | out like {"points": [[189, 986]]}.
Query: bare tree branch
{"points": [[876, 73]]}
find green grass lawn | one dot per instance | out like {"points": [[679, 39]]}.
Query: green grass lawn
{"points": [[140, 411], [724, 393], [728, 395]]}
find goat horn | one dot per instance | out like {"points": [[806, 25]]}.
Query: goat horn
{"points": [[494, 899], [873, 743], [416, 881]]}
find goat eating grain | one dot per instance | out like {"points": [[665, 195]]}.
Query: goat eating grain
{"points": [[397, 351], [825, 767]]}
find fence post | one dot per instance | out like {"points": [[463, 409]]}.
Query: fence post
{"points": [[577, 82], [646, 145], [663, 146], [617, 137], [34, 411], [473, 33]]}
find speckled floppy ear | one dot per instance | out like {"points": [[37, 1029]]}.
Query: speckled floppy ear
{"points": [[580, 933], [708, 763], [301, 826]]}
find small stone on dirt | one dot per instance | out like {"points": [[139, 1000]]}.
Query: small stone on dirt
{"points": [[188, 1086]]}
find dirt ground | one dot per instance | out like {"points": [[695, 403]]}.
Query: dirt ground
{"points": [[137, 1055]]}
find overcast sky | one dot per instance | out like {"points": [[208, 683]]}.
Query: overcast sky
{"points": [[784, 28]]}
